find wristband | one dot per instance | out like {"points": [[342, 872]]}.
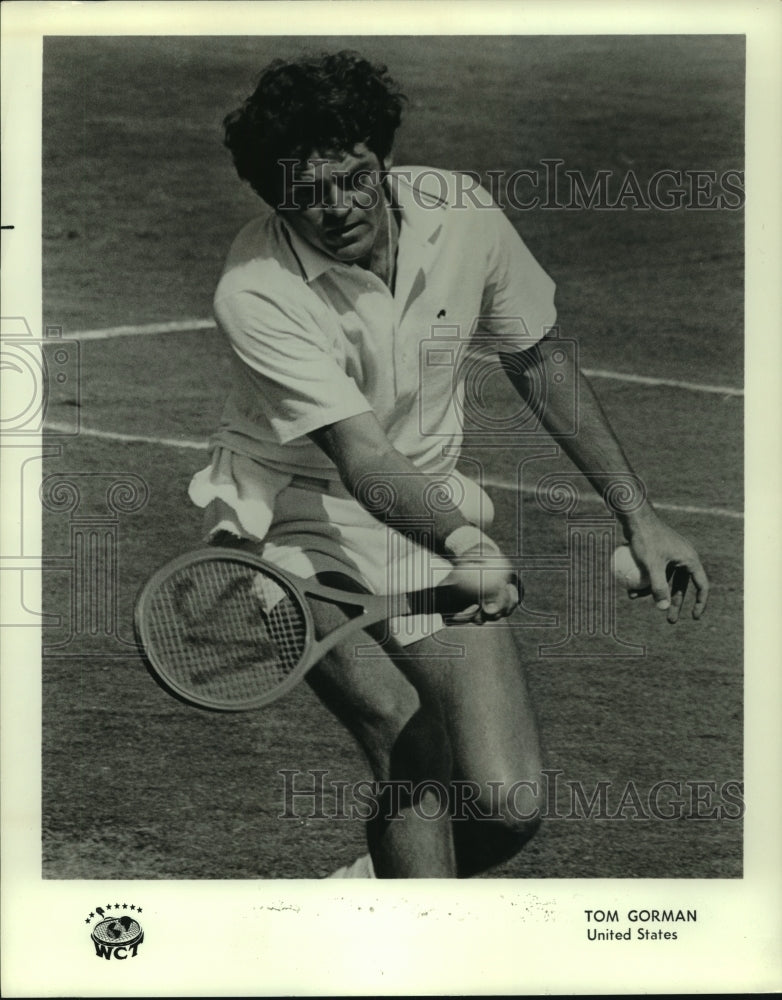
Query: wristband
{"points": [[467, 537]]}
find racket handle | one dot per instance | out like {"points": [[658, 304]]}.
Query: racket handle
{"points": [[448, 599], [444, 600]]}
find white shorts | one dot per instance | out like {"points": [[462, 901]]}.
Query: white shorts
{"points": [[311, 526]]}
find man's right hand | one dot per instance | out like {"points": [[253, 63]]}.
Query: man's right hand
{"points": [[483, 575], [372, 470]]}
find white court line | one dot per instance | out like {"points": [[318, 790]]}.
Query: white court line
{"points": [[53, 427], [498, 484], [175, 326], [182, 326], [672, 383], [736, 515]]}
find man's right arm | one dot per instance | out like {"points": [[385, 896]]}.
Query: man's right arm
{"points": [[392, 489]]}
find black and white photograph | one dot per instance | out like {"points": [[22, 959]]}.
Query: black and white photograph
{"points": [[385, 402]]}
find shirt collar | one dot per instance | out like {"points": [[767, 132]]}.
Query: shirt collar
{"points": [[421, 204], [421, 220], [312, 261]]}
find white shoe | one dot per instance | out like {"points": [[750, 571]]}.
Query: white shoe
{"points": [[361, 868]]}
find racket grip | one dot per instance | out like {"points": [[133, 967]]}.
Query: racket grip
{"points": [[443, 600], [448, 599]]}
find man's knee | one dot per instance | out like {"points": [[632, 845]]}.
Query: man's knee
{"points": [[521, 806], [422, 750], [502, 816], [384, 715], [513, 806], [368, 695], [521, 827], [401, 738]]}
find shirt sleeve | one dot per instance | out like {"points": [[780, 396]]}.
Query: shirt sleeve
{"points": [[517, 306], [292, 356]]}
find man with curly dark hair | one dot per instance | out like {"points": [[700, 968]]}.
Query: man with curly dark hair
{"points": [[336, 454]]}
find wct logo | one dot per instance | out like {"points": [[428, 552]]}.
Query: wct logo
{"points": [[116, 936]]}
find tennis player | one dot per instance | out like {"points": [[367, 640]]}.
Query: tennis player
{"points": [[335, 456]]}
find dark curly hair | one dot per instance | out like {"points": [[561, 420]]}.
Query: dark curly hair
{"points": [[327, 103]]}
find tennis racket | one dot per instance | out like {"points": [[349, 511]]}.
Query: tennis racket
{"points": [[223, 629]]}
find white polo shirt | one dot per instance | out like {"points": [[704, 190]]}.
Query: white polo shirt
{"points": [[317, 341]]}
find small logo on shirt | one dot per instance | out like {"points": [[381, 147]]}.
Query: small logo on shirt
{"points": [[441, 314]]}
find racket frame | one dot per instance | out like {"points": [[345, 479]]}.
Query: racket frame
{"points": [[372, 608]]}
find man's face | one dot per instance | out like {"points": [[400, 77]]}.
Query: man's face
{"points": [[336, 203]]}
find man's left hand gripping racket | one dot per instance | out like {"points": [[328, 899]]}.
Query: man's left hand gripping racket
{"points": [[224, 629]]}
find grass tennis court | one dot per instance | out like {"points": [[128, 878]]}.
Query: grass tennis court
{"points": [[140, 206]]}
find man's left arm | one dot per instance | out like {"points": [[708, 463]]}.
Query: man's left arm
{"points": [[597, 453]]}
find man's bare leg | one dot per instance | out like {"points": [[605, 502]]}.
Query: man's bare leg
{"points": [[483, 701], [405, 742]]}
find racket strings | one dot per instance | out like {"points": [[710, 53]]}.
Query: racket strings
{"points": [[226, 632]]}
